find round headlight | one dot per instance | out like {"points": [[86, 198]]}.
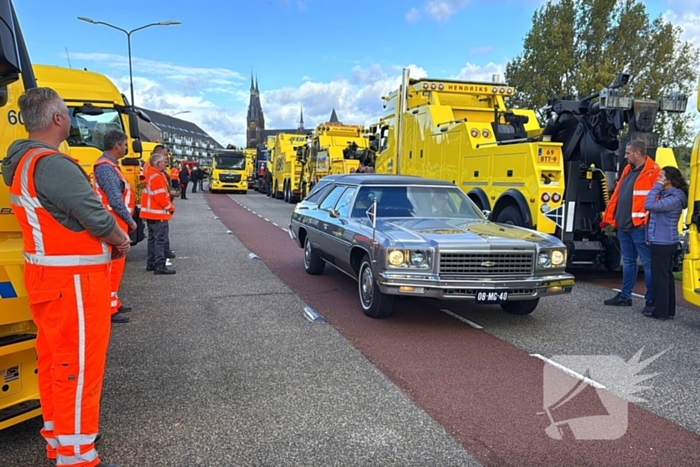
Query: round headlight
{"points": [[418, 258], [396, 257], [543, 259], [558, 258], [545, 208]]}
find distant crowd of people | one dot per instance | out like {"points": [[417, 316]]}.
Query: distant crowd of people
{"points": [[181, 176]]}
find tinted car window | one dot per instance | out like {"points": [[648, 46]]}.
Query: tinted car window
{"points": [[345, 202], [318, 192], [415, 201], [330, 200]]}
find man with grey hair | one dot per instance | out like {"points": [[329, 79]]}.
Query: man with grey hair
{"points": [[66, 234], [117, 195], [157, 208]]}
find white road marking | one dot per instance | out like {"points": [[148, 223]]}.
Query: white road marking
{"points": [[275, 224], [267, 220], [633, 294], [462, 319], [253, 256], [285, 229], [569, 371]]}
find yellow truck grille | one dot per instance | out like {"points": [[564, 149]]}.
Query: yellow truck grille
{"points": [[486, 264]]}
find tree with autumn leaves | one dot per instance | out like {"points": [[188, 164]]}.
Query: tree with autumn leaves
{"points": [[577, 47]]}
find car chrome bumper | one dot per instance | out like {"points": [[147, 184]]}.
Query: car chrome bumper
{"points": [[431, 286]]}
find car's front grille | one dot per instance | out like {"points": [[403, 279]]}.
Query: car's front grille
{"points": [[486, 264], [472, 292], [230, 178]]}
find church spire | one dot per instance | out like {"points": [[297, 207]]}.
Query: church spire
{"points": [[257, 89], [334, 117], [252, 87], [301, 117]]}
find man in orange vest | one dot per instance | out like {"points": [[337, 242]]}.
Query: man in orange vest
{"points": [[157, 208], [116, 194], [175, 177], [626, 213], [66, 235]]}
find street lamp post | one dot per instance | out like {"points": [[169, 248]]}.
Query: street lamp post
{"points": [[128, 40]]}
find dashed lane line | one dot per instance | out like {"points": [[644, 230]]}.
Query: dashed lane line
{"points": [[569, 371], [462, 319]]}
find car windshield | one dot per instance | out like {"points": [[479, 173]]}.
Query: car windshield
{"points": [[89, 130], [230, 162], [415, 201]]}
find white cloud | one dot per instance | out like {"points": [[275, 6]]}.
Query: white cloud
{"points": [[441, 10], [412, 15], [689, 22], [472, 72]]}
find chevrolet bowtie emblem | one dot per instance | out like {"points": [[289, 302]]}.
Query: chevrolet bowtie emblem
{"points": [[488, 264]]}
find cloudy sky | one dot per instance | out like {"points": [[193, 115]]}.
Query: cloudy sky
{"points": [[315, 54]]}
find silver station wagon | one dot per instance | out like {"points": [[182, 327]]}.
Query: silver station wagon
{"points": [[400, 235]]}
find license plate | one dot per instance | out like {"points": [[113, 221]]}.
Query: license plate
{"points": [[491, 297]]}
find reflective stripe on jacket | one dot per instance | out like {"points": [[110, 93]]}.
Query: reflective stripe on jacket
{"points": [[155, 197], [46, 241], [127, 194], [642, 185]]}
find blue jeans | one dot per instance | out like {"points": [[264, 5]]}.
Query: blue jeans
{"points": [[633, 244]]}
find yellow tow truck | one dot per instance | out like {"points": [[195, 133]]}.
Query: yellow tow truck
{"points": [[691, 260], [556, 179], [286, 169], [249, 164], [333, 148], [228, 171]]}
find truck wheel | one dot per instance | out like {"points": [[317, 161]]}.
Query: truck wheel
{"points": [[524, 307], [510, 215], [313, 264], [277, 193], [375, 304]]}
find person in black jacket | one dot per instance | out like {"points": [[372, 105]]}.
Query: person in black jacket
{"points": [[194, 177], [184, 180]]}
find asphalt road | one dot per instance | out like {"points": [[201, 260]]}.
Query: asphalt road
{"points": [[218, 367], [577, 325]]}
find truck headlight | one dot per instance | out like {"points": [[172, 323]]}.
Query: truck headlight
{"points": [[396, 257], [544, 259], [558, 258]]}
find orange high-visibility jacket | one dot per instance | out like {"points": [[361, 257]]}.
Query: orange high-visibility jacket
{"points": [[127, 194], [155, 197], [642, 185], [175, 174], [46, 241]]}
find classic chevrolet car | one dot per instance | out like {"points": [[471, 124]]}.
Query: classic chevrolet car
{"points": [[399, 235]]}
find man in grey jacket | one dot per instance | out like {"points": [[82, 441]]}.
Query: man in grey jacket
{"points": [[66, 229]]}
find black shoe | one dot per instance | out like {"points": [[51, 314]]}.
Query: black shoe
{"points": [[648, 308], [98, 437], [170, 254], [660, 318], [150, 268], [163, 270], [124, 309], [120, 318], [619, 300]]}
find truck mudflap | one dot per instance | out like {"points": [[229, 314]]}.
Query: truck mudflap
{"points": [[19, 387]]}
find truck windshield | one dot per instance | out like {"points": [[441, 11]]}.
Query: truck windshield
{"points": [[89, 130], [230, 162]]}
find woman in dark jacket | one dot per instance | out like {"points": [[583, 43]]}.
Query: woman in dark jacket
{"points": [[665, 203]]}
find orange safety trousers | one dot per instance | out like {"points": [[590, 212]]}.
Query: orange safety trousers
{"points": [[71, 308], [117, 271]]}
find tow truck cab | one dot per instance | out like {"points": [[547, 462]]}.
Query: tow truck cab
{"points": [[228, 172]]}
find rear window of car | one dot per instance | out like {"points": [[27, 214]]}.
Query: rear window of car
{"points": [[318, 192]]}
